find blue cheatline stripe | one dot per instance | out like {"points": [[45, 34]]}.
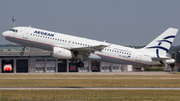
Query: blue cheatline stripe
{"points": [[172, 36], [159, 47]]}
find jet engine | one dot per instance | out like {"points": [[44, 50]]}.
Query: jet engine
{"points": [[61, 53]]}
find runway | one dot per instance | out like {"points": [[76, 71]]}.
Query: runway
{"points": [[87, 88], [93, 73], [90, 78]]}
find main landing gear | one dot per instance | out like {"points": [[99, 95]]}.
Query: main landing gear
{"points": [[80, 63], [22, 53]]}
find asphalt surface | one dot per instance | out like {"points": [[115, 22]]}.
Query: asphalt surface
{"points": [[93, 73], [87, 88], [91, 78]]}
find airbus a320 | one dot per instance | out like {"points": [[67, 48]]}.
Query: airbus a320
{"points": [[72, 47]]}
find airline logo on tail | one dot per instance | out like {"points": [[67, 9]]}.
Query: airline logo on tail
{"points": [[160, 42]]}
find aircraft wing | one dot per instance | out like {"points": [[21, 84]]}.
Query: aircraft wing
{"points": [[90, 49]]}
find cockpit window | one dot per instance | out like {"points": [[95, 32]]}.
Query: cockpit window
{"points": [[13, 30]]}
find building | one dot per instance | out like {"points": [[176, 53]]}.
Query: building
{"points": [[39, 61]]}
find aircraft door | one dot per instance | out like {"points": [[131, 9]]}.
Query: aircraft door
{"points": [[139, 55], [26, 32]]}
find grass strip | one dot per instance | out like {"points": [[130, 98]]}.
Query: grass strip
{"points": [[91, 95], [90, 82]]}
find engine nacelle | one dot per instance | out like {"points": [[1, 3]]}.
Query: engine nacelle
{"points": [[61, 53]]}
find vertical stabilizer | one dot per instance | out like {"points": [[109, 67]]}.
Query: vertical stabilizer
{"points": [[162, 43]]}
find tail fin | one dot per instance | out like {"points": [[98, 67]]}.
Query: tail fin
{"points": [[162, 43]]}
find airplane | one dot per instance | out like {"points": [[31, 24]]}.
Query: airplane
{"points": [[65, 46]]}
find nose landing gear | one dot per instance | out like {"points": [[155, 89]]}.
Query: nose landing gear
{"points": [[22, 53]]}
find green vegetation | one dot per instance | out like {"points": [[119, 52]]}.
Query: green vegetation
{"points": [[91, 95], [90, 81], [153, 69]]}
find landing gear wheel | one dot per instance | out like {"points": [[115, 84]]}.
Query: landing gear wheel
{"points": [[21, 53], [80, 64]]}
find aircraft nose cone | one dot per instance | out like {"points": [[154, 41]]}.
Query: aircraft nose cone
{"points": [[4, 34]]}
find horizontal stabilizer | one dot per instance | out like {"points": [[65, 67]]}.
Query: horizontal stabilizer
{"points": [[161, 59]]}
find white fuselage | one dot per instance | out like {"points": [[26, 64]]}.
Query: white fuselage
{"points": [[44, 39]]}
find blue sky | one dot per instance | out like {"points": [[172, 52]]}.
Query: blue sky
{"points": [[134, 22]]}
